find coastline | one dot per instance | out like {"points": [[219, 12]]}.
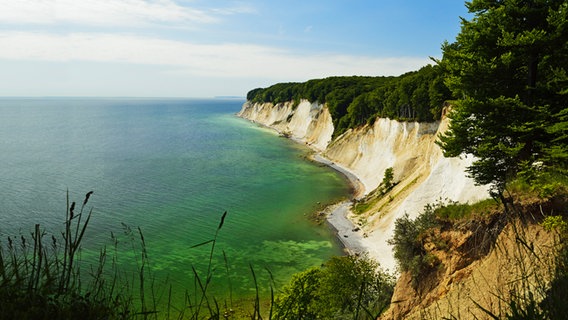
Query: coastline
{"points": [[358, 186], [349, 235], [337, 215]]}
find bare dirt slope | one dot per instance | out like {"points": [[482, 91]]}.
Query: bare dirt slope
{"points": [[483, 265]]}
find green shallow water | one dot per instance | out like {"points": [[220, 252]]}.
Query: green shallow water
{"points": [[171, 167]]}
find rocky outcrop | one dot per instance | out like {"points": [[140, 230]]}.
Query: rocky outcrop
{"points": [[421, 173]]}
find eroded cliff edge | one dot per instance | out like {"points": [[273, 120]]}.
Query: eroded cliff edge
{"points": [[421, 173]]}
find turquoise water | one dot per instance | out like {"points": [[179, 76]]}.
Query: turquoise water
{"points": [[170, 167]]}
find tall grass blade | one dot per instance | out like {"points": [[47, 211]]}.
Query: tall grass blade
{"points": [[78, 240], [228, 279], [87, 196], [222, 221], [169, 302], [271, 292], [256, 314], [202, 288], [202, 243], [489, 313]]}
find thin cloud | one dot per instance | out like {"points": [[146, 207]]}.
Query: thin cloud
{"points": [[227, 60], [240, 9], [101, 13]]}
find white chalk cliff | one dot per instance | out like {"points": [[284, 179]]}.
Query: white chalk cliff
{"points": [[422, 173]]}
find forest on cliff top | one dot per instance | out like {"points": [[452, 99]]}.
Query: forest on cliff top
{"points": [[354, 101]]}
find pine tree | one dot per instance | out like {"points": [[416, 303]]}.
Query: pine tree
{"points": [[508, 69]]}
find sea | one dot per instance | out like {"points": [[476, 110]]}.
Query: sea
{"points": [[184, 182]]}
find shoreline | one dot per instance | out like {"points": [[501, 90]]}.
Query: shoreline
{"points": [[337, 215], [358, 186], [349, 235]]}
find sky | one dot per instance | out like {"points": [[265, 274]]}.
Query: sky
{"points": [[208, 48]]}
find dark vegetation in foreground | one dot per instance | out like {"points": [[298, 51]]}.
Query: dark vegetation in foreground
{"points": [[348, 287], [46, 278], [40, 278]]}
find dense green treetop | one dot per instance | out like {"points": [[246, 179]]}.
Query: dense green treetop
{"points": [[354, 101], [348, 287], [508, 69]]}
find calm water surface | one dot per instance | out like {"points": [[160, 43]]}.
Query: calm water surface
{"points": [[170, 167]]}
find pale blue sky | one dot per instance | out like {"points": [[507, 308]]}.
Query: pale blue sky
{"points": [[205, 48]]}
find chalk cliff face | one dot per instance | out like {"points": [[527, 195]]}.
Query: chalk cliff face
{"points": [[421, 172], [308, 122]]}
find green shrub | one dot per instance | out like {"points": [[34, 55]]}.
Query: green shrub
{"points": [[388, 181], [458, 211], [362, 206], [300, 299], [407, 243], [536, 178], [556, 223], [343, 288]]}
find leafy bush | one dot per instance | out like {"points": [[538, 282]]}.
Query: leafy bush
{"points": [[535, 178], [407, 243], [300, 299], [344, 288], [388, 181], [457, 211], [556, 223]]}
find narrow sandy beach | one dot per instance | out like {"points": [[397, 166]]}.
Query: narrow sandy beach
{"points": [[347, 233], [350, 235], [358, 186]]}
